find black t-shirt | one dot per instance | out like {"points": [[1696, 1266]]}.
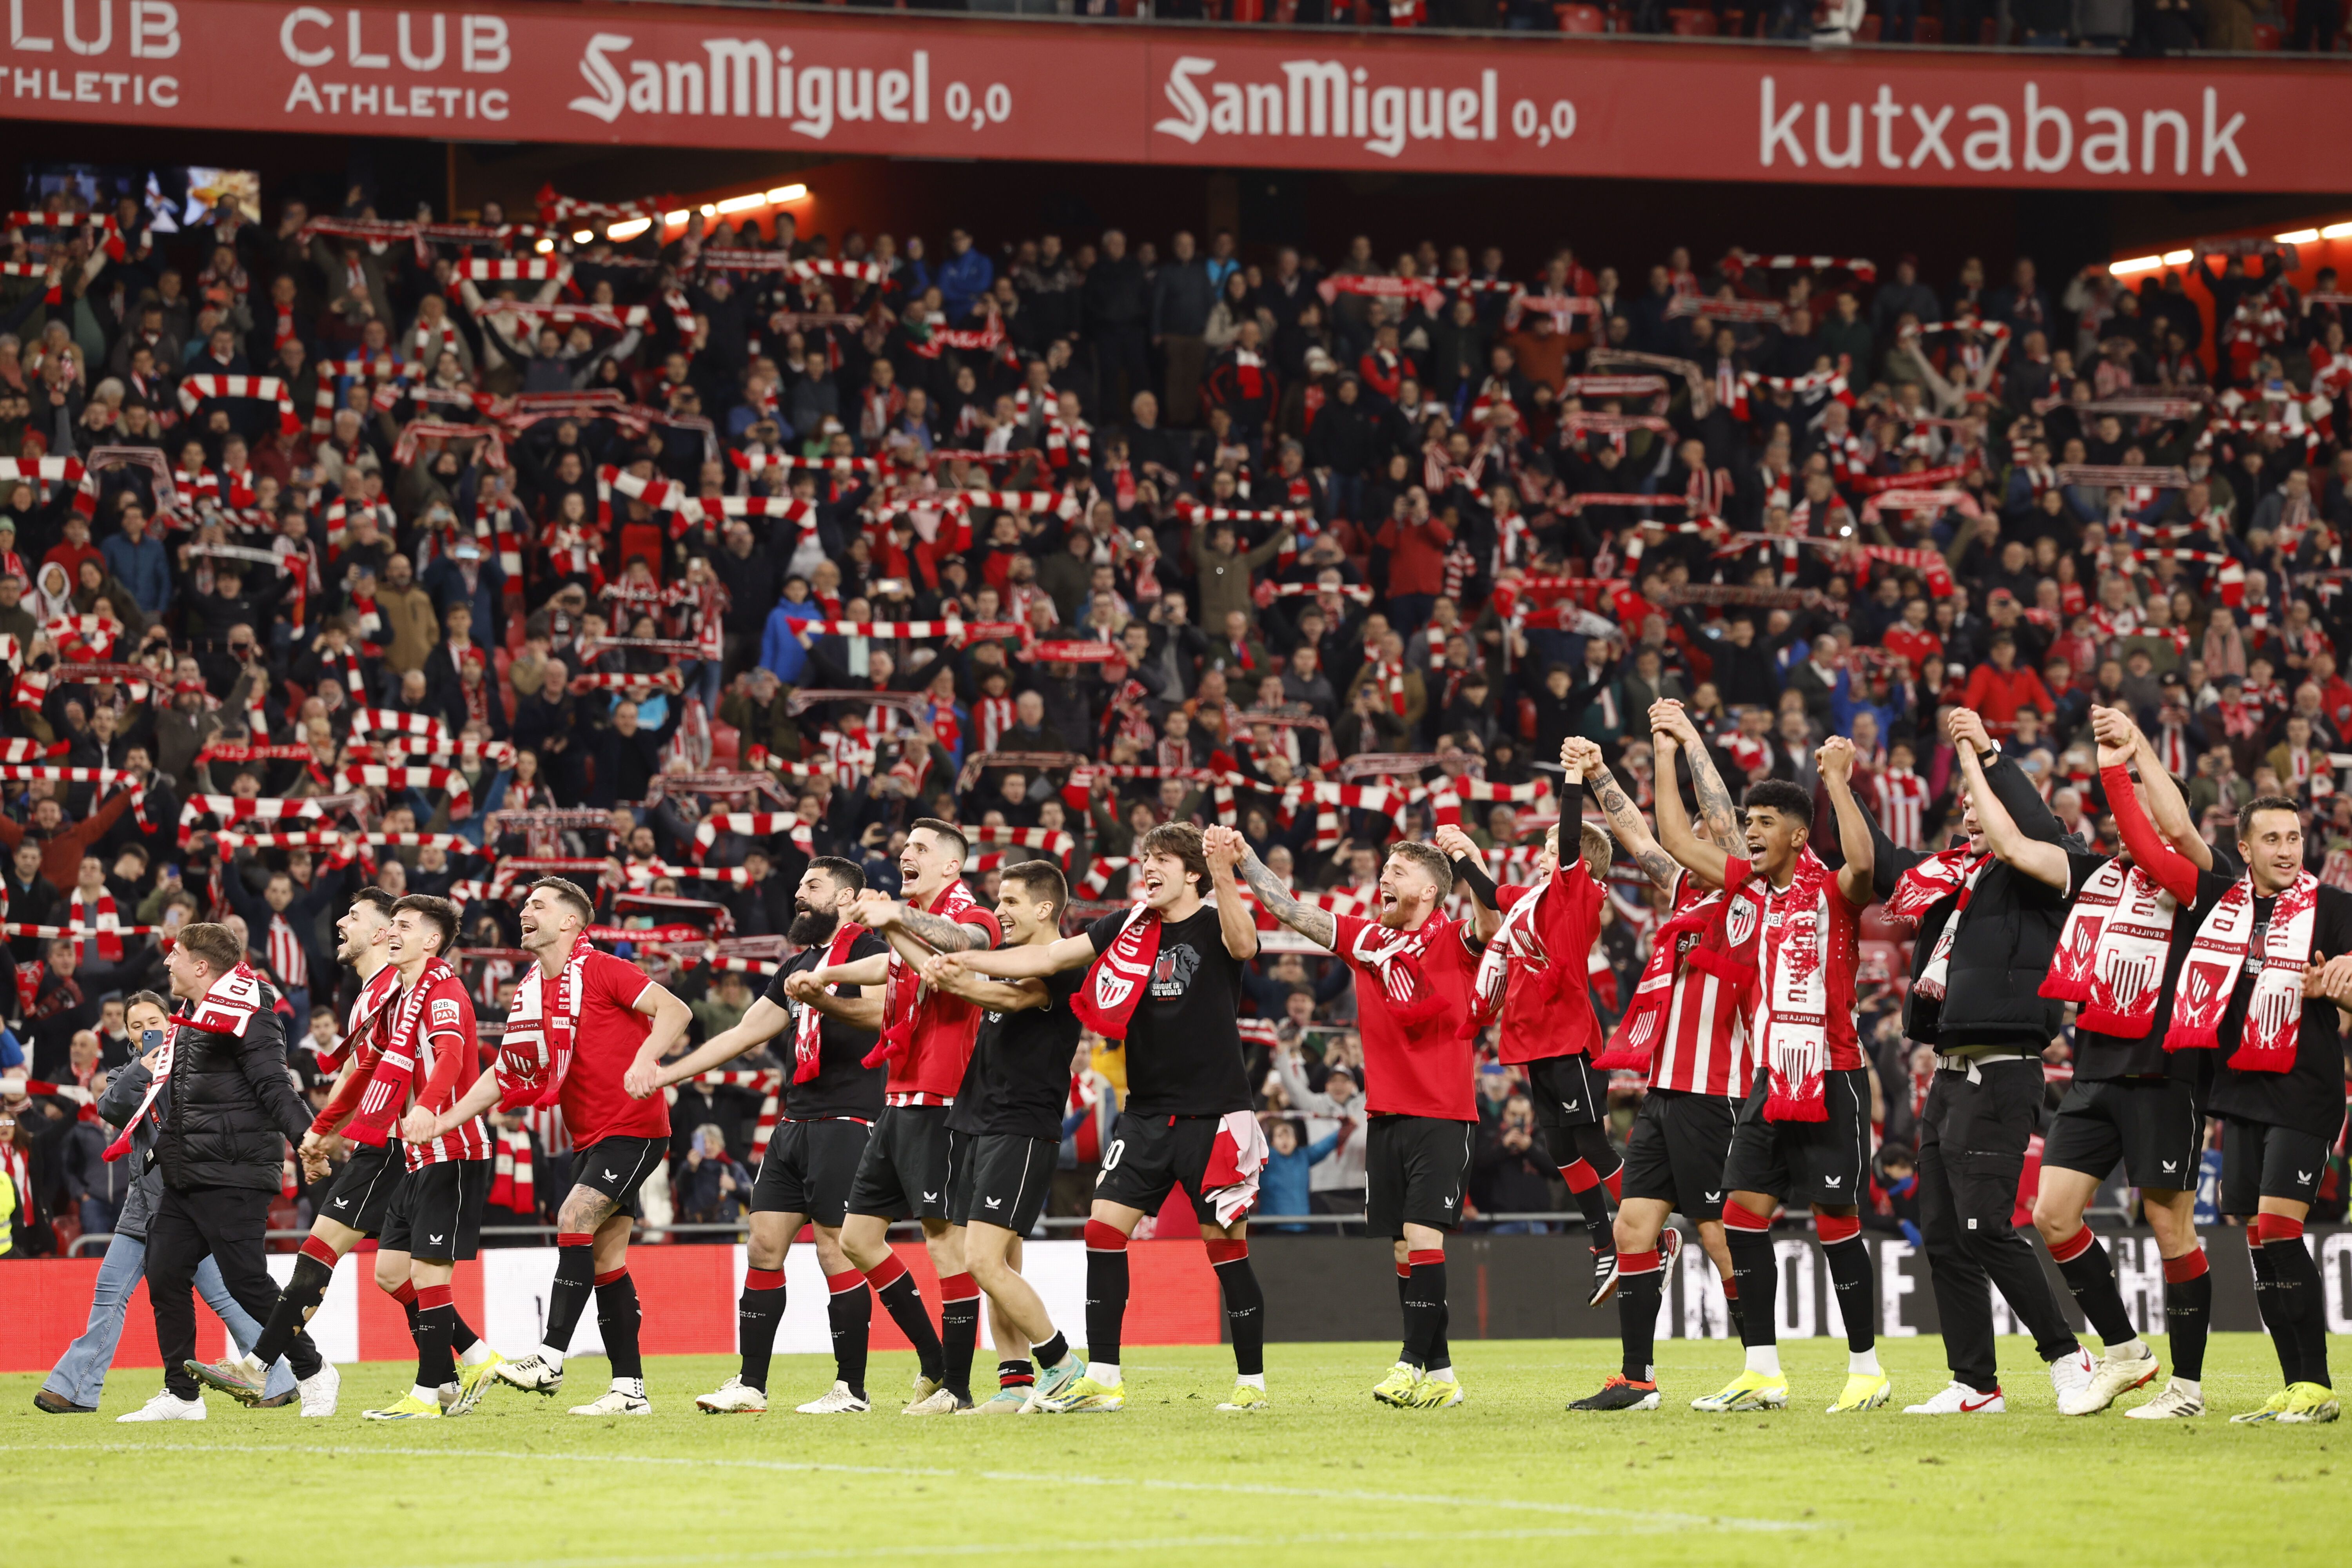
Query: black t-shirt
{"points": [[1019, 1077], [1184, 1042], [2097, 1057], [2309, 1097], [843, 1085]]}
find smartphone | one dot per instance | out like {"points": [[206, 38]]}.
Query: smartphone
{"points": [[149, 1039]]}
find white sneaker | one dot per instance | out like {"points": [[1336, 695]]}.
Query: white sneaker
{"points": [[533, 1373], [2179, 1398], [939, 1401], [617, 1404], [1959, 1399], [2112, 1376], [318, 1392], [734, 1397], [168, 1407], [838, 1401], [2070, 1376]]}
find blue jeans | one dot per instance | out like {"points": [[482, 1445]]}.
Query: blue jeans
{"points": [[80, 1374]]}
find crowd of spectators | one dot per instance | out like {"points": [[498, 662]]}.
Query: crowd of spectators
{"points": [[336, 548]]}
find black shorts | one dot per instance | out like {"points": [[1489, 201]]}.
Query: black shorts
{"points": [[909, 1165], [1566, 1092], [617, 1167], [361, 1191], [1676, 1150], [809, 1168], [1804, 1162], [2261, 1161], [1148, 1156], [2152, 1127], [1416, 1170], [438, 1213], [1002, 1178]]}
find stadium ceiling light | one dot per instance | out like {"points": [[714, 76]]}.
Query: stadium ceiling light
{"points": [[2336, 231], [737, 204], [2137, 264], [2179, 257], [678, 217], [629, 229], [2300, 237], [783, 194], [709, 209], [585, 237]]}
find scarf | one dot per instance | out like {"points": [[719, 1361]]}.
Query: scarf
{"points": [[2274, 1011], [808, 1036], [510, 1171], [107, 924], [1515, 940], [903, 991], [1395, 956], [395, 1073], [1921, 888], [2111, 950], [1106, 1003], [535, 1052], [1722, 926], [367, 1011], [1793, 1007], [227, 1008]]}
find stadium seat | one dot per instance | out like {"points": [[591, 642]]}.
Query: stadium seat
{"points": [[1580, 19], [1691, 23], [726, 744], [2266, 37]]}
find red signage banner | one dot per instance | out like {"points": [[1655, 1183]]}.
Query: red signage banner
{"points": [[951, 87]]}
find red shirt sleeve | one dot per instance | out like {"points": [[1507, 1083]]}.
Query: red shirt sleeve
{"points": [[2149, 849], [617, 979], [346, 1098], [1345, 930], [986, 920], [448, 1022]]}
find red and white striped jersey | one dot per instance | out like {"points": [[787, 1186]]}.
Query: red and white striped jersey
{"points": [[447, 1061], [1903, 806], [1706, 1049], [287, 959]]}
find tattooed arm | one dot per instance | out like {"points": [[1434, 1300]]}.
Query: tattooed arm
{"points": [[941, 934], [1316, 925], [1625, 822], [1703, 860], [1715, 806]]}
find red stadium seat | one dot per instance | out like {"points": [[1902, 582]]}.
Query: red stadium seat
{"points": [[726, 743], [1691, 23], [2266, 37], [1580, 19]]}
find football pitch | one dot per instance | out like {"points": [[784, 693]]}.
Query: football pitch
{"points": [[1325, 1476]]}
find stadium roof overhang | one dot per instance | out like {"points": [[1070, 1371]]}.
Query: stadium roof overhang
{"points": [[823, 82]]}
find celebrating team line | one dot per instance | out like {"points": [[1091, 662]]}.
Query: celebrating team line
{"points": [[930, 1042]]}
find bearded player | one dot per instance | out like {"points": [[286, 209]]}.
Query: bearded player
{"points": [[1166, 977], [830, 1108], [584, 1028]]}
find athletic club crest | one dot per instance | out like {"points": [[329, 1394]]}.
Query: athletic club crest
{"points": [[1739, 926]]}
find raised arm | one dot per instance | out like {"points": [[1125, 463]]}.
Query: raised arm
{"points": [[1316, 925], [2169, 867], [1224, 846], [2166, 805], [2043, 862], [946, 972], [1625, 822], [1031, 962], [871, 970], [1715, 807], [1835, 760], [1470, 876], [762, 1024], [1706, 861]]}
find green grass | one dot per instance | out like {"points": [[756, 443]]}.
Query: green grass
{"points": [[1324, 1476]]}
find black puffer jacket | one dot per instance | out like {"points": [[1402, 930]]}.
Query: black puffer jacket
{"points": [[2007, 939], [231, 1106]]}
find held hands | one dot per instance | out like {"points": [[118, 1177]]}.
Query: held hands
{"points": [[641, 1081], [941, 969], [1580, 759], [2117, 736], [1967, 729], [1836, 759], [875, 910], [1453, 842], [804, 986], [2330, 978], [419, 1126], [1667, 719], [1224, 848], [313, 1155]]}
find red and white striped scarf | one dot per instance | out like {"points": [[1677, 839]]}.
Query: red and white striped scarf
{"points": [[2274, 1011], [287, 961], [511, 1187], [808, 1035], [536, 1051], [992, 716], [107, 944], [227, 1008]]}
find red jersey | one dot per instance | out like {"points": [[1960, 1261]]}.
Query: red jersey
{"points": [[595, 1106], [1706, 1049], [364, 1030], [946, 1025], [1418, 1069], [1547, 1013], [446, 1064], [1785, 992]]}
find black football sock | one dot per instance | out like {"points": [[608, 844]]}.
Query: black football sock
{"points": [[759, 1311], [616, 1318], [314, 1270], [1245, 1305], [2090, 1274], [2189, 1311], [1757, 1270], [1107, 1281], [903, 1300], [1731, 1305], [1592, 1176], [1052, 1352], [2299, 1290], [1424, 1307], [437, 1319], [959, 1331], [1848, 1257], [849, 1309], [1010, 1373], [2269, 1302], [575, 1277], [462, 1337], [1641, 1284]]}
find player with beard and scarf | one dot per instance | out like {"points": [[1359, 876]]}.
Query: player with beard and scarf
{"points": [[829, 1111]]}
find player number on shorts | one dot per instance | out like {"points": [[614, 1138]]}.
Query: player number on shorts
{"points": [[1111, 1154]]}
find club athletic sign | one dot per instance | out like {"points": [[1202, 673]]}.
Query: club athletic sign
{"points": [[937, 87]]}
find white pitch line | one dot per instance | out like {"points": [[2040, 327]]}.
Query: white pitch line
{"points": [[1660, 1518]]}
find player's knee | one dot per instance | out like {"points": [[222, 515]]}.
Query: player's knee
{"points": [[391, 1276], [1402, 1250]]}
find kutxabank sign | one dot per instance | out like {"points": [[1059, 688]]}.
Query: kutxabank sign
{"points": [[928, 86]]}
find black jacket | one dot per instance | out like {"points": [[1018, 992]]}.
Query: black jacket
{"points": [[231, 1108], [2005, 943]]}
